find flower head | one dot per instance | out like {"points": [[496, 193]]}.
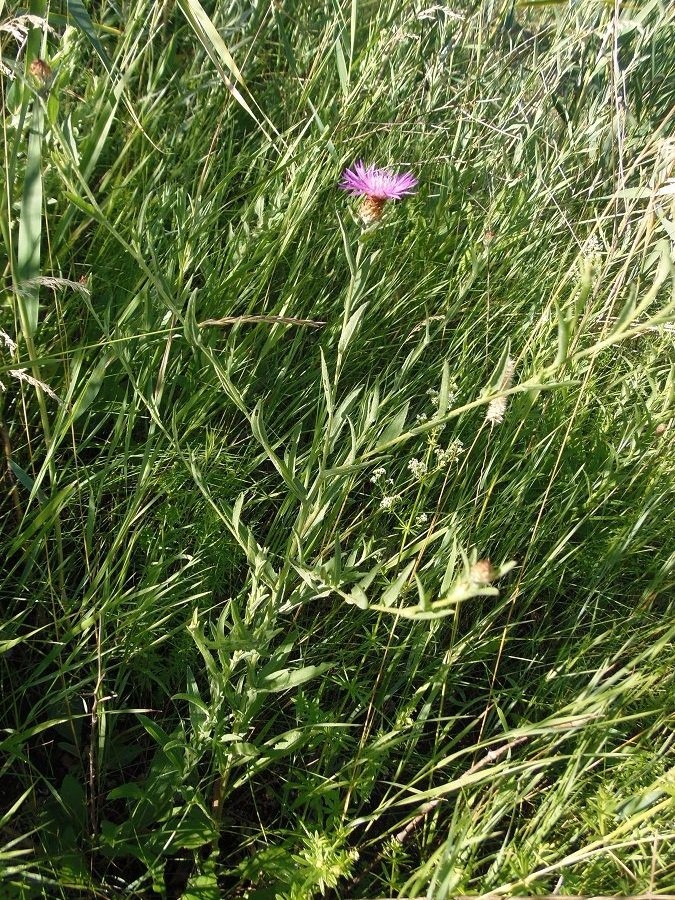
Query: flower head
{"points": [[40, 71], [376, 186], [483, 572], [497, 407], [418, 468], [449, 456], [388, 502], [380, 184]]}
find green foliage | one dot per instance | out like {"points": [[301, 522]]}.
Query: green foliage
{"points": [[337, 561]]}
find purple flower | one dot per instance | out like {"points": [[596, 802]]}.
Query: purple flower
{"points": [[377, 184], [375, 187]]}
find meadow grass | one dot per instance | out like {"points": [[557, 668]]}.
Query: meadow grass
{"points": [[370, 596]]}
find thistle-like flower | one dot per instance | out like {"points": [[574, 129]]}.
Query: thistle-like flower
{"points": [[376, 186]]}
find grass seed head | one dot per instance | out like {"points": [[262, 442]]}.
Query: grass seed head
{"points": [[497, 407]]}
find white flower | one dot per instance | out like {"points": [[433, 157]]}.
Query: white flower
{"points": [[495, 411], [387, 503], [434, 396], [418, 468], [379, 473], [497, 407], [422, 519], [446, 458]]}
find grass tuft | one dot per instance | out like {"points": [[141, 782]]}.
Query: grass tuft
{"points": [[337, 560]]}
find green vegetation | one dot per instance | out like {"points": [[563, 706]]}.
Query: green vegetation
{"points": [[378, 603]]}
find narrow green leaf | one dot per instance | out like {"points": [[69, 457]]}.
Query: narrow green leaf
{"points": [[260, 434], [352, 31], [393, 592], [343, 75], [498, 373], [325, 382], [350, 327], [564, 331], [395, 428], [78, 12], [30, 222], [25, 479], [290, 678], [444, 394], [351, 262], [217, 50], [626, 315]]}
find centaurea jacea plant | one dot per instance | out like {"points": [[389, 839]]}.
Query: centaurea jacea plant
{"points": [[376, 186]]}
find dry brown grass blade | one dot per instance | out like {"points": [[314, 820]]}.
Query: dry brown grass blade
{"points": [[275, 320]]}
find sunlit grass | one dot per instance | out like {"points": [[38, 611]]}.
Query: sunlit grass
{"points": [[337, 560]]}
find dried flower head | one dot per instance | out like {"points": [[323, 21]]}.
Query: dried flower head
{"points": [[40, 71], [483, 572], [376, 186]]}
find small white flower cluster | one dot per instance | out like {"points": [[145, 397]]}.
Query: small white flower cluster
{"points": [[434, 396], [418, 468], [449, 456], [422, 519], [379, 477], [388, 502], [435, 400]]}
